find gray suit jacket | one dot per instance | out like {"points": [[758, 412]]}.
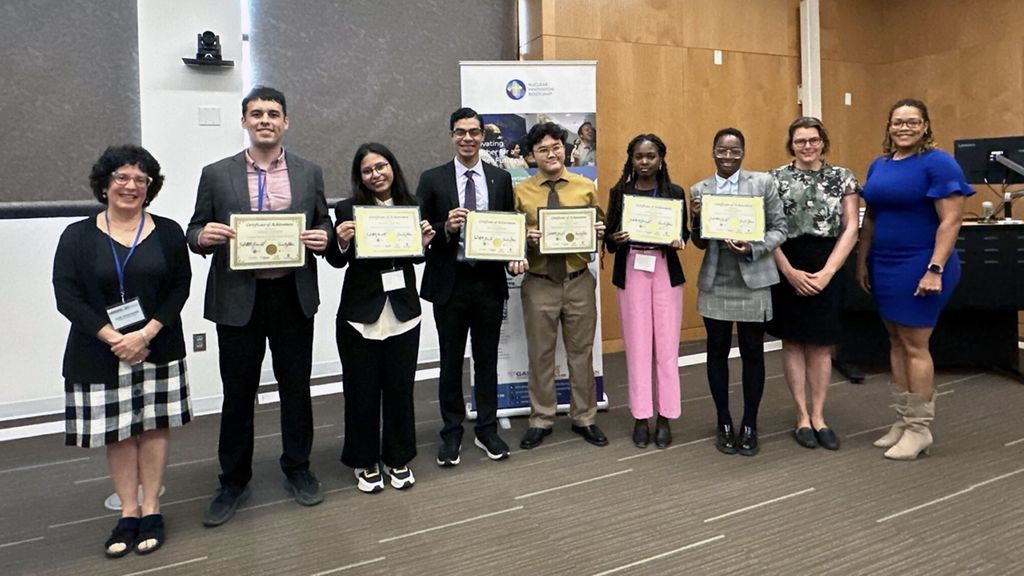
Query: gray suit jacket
{"points": [[757, 268], [223, 190]]}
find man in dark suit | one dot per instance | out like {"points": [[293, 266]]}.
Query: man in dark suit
{"points": [[467, 296], [253, 307]]}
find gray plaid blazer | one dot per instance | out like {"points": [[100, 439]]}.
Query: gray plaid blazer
{"points": [[757, 268]]}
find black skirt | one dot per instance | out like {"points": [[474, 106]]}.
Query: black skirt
{"points": [[808, 319]]}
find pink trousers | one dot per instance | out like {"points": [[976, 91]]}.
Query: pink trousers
{"points": [[651, 314]]}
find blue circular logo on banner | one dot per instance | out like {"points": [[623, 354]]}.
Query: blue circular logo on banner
{"points": [[515, 89]]}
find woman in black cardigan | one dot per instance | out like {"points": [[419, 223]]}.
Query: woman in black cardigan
{"points": [[122, 277], [378, 331], [649, 281]]}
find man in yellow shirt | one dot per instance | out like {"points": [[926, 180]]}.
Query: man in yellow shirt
{"points": [[558, 288]]}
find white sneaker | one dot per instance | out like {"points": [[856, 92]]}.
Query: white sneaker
{"points": [[401, 478], [369, 479]]}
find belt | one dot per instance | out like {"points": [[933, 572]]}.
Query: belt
{"points": [[569, 276]]}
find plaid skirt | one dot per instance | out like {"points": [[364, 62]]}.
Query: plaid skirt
{"points": [[147, 397]]}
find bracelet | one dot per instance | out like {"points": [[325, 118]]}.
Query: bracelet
{"points": [[145, 335]]}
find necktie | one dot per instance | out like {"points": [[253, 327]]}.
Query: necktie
{"points": [[556, 262], [470, 203]]}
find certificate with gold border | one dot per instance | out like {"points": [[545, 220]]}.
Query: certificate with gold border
{"points": [[267, 240], [652, 220], [567, 230], [387, 231], [725, 217], [493, 235]]}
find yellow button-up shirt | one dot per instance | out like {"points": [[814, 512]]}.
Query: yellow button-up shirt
{"points": [[574, 191]]}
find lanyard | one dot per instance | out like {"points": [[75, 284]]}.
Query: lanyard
{"points": [[120, 266], [261, 187]]}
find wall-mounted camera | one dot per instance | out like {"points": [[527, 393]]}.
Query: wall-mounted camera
{"points": [[208, 51]]}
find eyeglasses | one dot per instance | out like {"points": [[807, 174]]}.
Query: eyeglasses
{"points": [[545, 151], [123, 179], [908, 122], [461, 133], [379, 167], [801, 142], [728, 153]]}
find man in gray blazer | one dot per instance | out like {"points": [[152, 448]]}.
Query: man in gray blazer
{"points": [[251, 308], [735, 286]]}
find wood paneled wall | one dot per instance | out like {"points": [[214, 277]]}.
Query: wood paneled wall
{"points": [[656, 73], [964, 58]]}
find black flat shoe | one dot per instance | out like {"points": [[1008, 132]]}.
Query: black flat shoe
{"points": [[533, 437], [591, 434], [726, 440], [748, 442], [641, 433], [805, 437], [126, 532], [827, 438], [150, 528], [662, 433]]}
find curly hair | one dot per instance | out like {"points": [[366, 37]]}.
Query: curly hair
{"points": [[927, 141], [115, 157]]}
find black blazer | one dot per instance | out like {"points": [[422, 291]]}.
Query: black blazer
{"points": [[362, 294], [224, 189], [675, 269], [438, 194]]}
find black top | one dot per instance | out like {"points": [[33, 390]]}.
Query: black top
{"points": [[85, 284], [675, 269], [362, 294]]}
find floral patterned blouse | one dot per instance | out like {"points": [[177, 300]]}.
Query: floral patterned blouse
{"points": [[813, 199]]}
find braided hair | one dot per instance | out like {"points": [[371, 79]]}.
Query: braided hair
{"points": [[629, 178]]}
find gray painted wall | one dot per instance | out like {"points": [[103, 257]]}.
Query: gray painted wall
{"points": [[69, 87], [384, 70]]}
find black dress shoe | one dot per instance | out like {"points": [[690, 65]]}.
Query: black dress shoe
{"points": [[641, 433], [827, 438], [726, 440], [662, 433], [748, 442], [591, 434], [533, 437], [805, 437]]}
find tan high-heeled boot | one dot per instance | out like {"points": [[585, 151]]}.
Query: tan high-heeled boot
{"points": [[917, 437], [899, 404]]}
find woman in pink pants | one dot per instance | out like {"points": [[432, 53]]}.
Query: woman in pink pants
{"points": [[650, 280]]}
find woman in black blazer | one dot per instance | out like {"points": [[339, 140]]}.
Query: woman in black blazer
{"points": [[649, 281], [378, 331]]}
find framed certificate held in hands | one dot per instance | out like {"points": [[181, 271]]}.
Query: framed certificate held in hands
{"points": [[567, 230], [495, 236], [266, 240], [387, 231], [732, 218], [652, 220]]}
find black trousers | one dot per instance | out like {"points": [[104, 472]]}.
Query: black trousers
{"points": [[474, 309], [277, 318], [751, 344], [378, 377]]}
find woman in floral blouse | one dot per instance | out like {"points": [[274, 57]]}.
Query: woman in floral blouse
{"points": [[820, 202]]}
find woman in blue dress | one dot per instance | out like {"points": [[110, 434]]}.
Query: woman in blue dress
{"points": [[915, 201]]}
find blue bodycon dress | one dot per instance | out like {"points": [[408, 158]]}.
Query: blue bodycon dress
{"points": [[902, 195]]}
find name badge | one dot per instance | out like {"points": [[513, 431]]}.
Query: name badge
{"points": [[392, 279], [127, 314], [644, 262]]}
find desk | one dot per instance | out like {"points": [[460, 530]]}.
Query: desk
{"points": [[978, 328]]}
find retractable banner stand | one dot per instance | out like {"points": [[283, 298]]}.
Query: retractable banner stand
{"points": [[512, 97]]}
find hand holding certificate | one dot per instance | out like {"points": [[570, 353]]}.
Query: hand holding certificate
{"points": [[652, 220], [495, 236], [732, 218], [388, 232], [267, 240], [567, 230]]}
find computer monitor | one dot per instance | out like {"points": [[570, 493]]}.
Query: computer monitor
{"points": [[978, 159]]}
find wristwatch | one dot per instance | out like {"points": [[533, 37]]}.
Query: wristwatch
{"points": [[935, 268]]}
